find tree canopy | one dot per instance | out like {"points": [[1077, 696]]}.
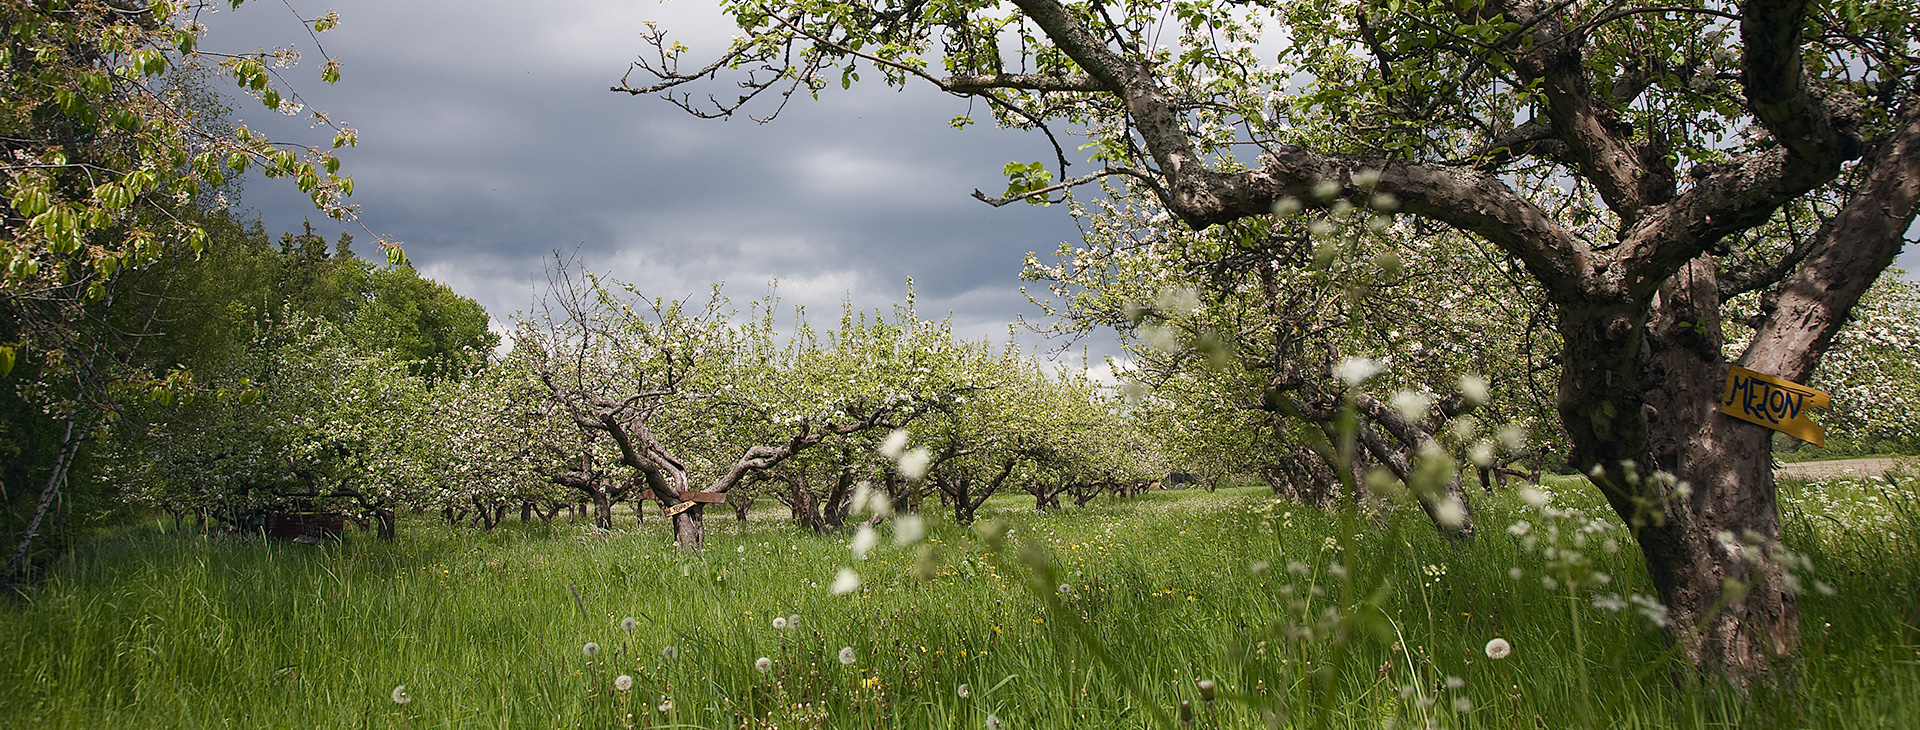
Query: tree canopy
{"points": [[1635, 163]]}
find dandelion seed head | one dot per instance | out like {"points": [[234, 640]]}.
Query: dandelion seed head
{"points": [[1462, 705], [1453, 682], [1513, 437], [763, 664], [670, 652], [847, 656], [1412, 404], [793, 621], [780, 623], [908, 529], [400, 696], [623, 683], [590, 649], [629, 623], [1473, 389], [846, 582], [864, 541], [1498, 648], [994, 723], [964, 691], [895, 444], [913, 464], [1356, 370]]}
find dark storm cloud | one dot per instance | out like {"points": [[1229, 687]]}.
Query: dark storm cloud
{"points": [[489, 139]]}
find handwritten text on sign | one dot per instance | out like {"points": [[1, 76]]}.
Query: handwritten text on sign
{"points": [[1777, 404]]}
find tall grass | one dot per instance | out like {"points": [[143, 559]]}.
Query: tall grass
{"points": [[153, 628]]}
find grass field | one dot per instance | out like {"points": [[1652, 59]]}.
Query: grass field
{"points": [[1301, 618]]}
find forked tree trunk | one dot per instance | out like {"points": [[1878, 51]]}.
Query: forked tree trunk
{"points": [[690, 527], [741, 502]]}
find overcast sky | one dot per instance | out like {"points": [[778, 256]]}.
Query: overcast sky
{"points": [[488, 139]]}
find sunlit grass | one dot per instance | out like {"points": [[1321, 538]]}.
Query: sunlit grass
{"points": [[149, 628]]}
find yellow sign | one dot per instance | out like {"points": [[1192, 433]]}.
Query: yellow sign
{"points": [[1777, 404], [678, 508]]}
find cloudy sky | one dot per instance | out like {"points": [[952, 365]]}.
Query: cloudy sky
{"points": [[488, 139]]}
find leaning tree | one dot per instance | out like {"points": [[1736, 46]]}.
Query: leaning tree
{"points": [[1671, 135]]}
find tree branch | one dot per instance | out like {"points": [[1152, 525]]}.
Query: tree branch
{"points": [[1853, 248]]}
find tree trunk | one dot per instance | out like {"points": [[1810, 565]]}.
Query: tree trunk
{"points": [[385, 519], [1644, 384], [839, 501], [1725, 533], [689, 527], [741, 502], [602, 510], [69, 446]]}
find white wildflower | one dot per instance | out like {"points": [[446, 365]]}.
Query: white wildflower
{"points": [[1412, 404], [1473, 389], [1449, 511], [908, 529], [846, 582], [914, 463], [895, 444], [864, 541], [1356, 370]]}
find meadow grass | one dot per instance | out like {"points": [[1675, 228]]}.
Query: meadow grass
{"points": [[1106, 620]]}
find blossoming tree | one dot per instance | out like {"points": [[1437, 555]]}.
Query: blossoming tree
{"points": [[1675, 133]]}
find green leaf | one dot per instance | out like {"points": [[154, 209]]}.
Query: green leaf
{"points": [[6, 360]]}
